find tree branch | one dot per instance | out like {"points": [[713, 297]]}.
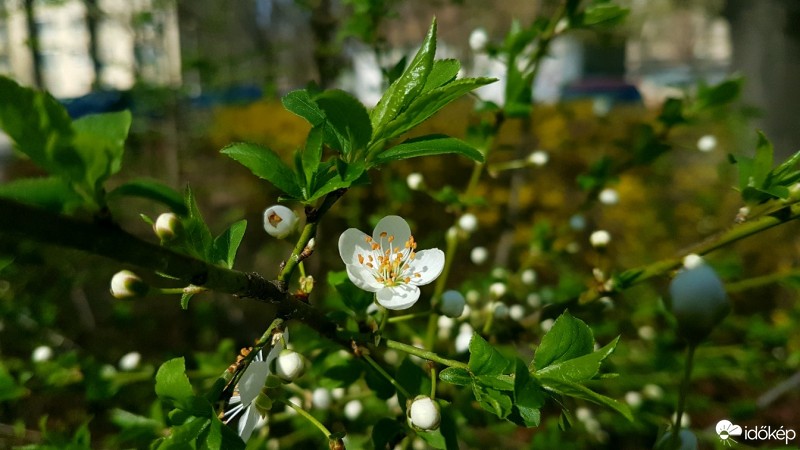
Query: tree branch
{"points": [[107, 239]]}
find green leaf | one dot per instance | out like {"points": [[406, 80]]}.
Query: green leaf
{"points": [[354, 298], [406, 88], [762, 163], [347, 119], [485, 359], [433, 144], [605, 14], [572, 389], [151, 190], [433, 438], [386, 431], [718, 95], [443, 71], [578, 369], [672, 112], [529, 397], [100, 140], [227, 243], [40, 127], [265, 164], [427, 104], [52, 193], [198, 241], [568, 338], [495, 401], [301, 103], [456, 376], [312, 155], [344, 176], [172, 385], [9, 389]]}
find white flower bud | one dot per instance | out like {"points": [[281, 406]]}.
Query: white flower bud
{"points": [[534, 300], [444, 323], [516, 312], [452, 304], [415, 181], [653, 391], [685, 419], [468, 222], [462, 341], [473, 296], [692, 260], [608, 196], [279, 221], [424, 413], [583, 414], [42, 353], [479, 255], [353, 409], [647, 332], [338, 393], [561, 26], [130, 361], [707, 143], [698, 301], [126, 284], [538, 158], [600, 238], [288, 365], [497, 289], [321, 398], [546, 324], [478, 40], [167, 226], [633, 398], [528, 276]]}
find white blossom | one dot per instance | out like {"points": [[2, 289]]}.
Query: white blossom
{"points": [[608, 196], [388, 263], [633, 398], [42, 353], [528, 276], [538, 158], [468, 222], [249, 386], [415, 181], [463, 339], [353, 409], [126, 284], [130, 361], [516, 312], [424, 413], [479, 255], [321, 398], [707, 143], [600, 238], [498, 289], [167, 226], [478, 39], [280, 221]]}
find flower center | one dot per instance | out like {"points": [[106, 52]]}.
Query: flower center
{"points": [[389, 264]]}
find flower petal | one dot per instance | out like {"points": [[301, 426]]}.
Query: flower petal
{"points": [[363, 278], [252, 381], [429, 264], [398, 297], [351, 243], [277, 348], [393, 226], [248, 422]]}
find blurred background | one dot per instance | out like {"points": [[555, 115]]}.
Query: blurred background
{"points": [[200, 74]]}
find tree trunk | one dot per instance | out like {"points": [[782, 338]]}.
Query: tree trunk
{"points": [[33, 42]]}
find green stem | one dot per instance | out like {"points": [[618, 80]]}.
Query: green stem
{"points": [[386, 375], [305, 414], [684, 392], [424, 354], [487, 326], [763, 280], [433, 382], [405, 317], [733, 234]]}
